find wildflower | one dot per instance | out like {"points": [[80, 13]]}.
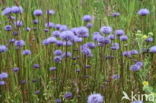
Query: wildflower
{"points": [[123, 38], [56, 33], [115, 46], [111, 37], [126, 53], [150, 39], [38, 12], [115, 14], [57, 52], [51, 12], [116, 76], [82, 32], [86, 51], [152, 49], [144, 36], [87, 18], [3, 48], [52, 68], [58, 101], [3, 75], [16, 69], [26, 52], [19, 43], [119, 32], [135, 67], [6, 11], [134, 52], [2, 82], [36, 66], [57, 59], [16, 9], [67, 35], [106, 29], [50, 25], [18, 23], [89, 25], [63, 28], [95, 98], [67, 54], [59, 43], [51, 40], [145, 83], [8, 28], [68, 95], [143, 12], [90, 45], [35, 21]]}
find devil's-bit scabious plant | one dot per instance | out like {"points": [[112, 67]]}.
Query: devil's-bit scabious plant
{"points": [[6, 11], [8, 28], [87, 18], [143, 12], [38, 12], [106, 29], [3, 48], [152, 49], [95, 98], [3, 75], [26, 52]]}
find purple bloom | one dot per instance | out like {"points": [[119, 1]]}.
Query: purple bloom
{"points": [[38, 12], [134, 52], [18, 23], [51, 12], [68, 95], [115, 46], [50, 25], [126, 53], [68, 54], [91, 45], [89, 25], [35, 21], [67, 35], [63, 28], [16, 69], [119, 32], [52, 68], [8, 27], [111, 37], [150, 39], [58, 101], [87, 18], [46, 30], [95, 98], [143, 12], [2, 82], [36, 66], [115, 14], [57, 52], [77, 39], [51, 40], [3, 75], [86, 51], [57, 59], [139, 63], [16, 9], [12, 40], [27, 29], [56, 33], [104, 40], [123, 38], [106, 29], [82, 32], [67, 43], [19, 43], [135, 67], [59, 43], [116, 76], [6, 11], [3, 48], [152, 49], [58, 26], [26, 52]]}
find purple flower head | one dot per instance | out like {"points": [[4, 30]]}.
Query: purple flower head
{"points": [[91, 45], [12, 40], [68, 95], [104, 40], [123, 38], [46, 30], [58, 101], [16, 9], [86, 51], [126, 53], [97, 36], [77, 39], [135, 67], [150, 39], [152, 49], [139, 63], [8, 28], [59, 43], [16, 69], [35, 66], [116, 76], [50, 12], [35, 21], [115, 46], [2, 82], [27, 29], [89, 25], [58, 26], [3, 48], [67, 35], [26, 52], [19, 43], [57, 59], [143, 12], [50, 25], [51, 40], [3, 75], [82, 32], [106, 29], [18, 23], [95, 98], [58, 52], [115, 14], [52, 68], [67, 43], [119, 32], [15, 33], [56, 34], [68, 54], [63, 28], [45, 42], [134, 52], [6, 11], [38, 12], [87, 18], [11, 17], [37, 92], [111, 37]]}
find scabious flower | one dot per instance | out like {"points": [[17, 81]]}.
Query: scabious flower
{"points": [[67, 35], [143, 12], [57, 59], [90, 45], [3, 48], [16, 69], [66, 54], [3, 75], [58, 101], [18, 23], [57, 26], [115, 46], [126, 53], [2, 82], [86, 51], [6, 11], [77, 39], [68, 95], [51, 40], [63, 28], [50, 25], [152, 49], [95, 98], [89, 25], [56, 34], [35, 21], [52, 68], [104, 40], [135, 67], [123, 38], [38, 12], [134, 52], [59, 43], [106, 29], [12, 40], [111, 37], [35, 66], [116, 76], [87, 18], [50, 12], [8, 28], [16, 9], [58, 52], [150, 39], [115, 14], [119, 32], [82, 32], [27, 29], [19, 43], [26, 52]]}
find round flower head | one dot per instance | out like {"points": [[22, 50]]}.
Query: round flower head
{"points": [[50, 12], [3, 75], [87, 18], [115, 14], [38, 12], [67, 43], [143, 12], [134, 52], [126, 53], [116, 76], [46, 30], [89, 25], [63, 28], [16, 69], [58, 101], [58, 52], [95, 98], [119, 32], [18, 23], [82, 32], [57, 26], [6, 11], [8, 28], [57, 59], [123, 38], [152, 49], [51, 40], [56, 34], [77, 39], [26, 52], [19, 43], [16, 9], [139, 63], [150, 39], [68, 54], [59, 43], [67, 35], [27, 29], [45, 42], [12, 40], [111, 37], [35, 21], [104, 40], [86, 51], [68, 95], [135, 67], [50, 25], [106, 29], [2, 82], [91, 45], [115, 46], [36, 66], [52, 68], [3, 48]]}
